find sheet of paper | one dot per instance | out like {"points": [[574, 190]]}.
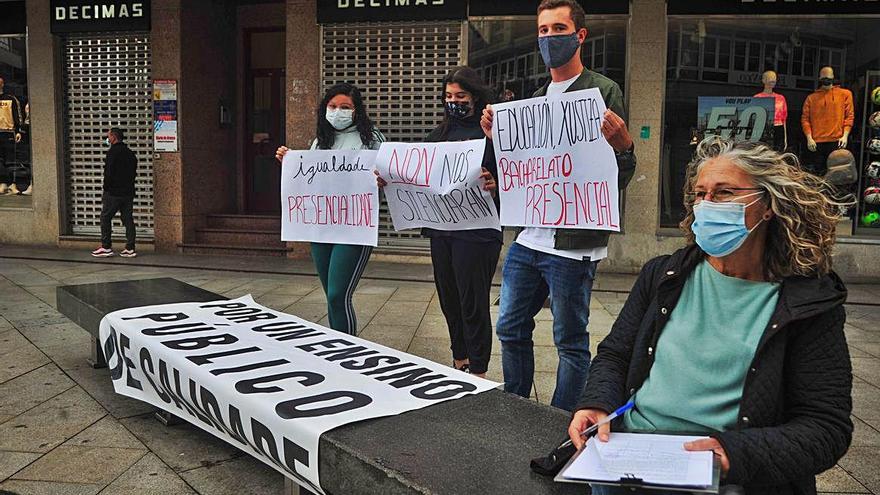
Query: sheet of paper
{"points": [[655, 459]]}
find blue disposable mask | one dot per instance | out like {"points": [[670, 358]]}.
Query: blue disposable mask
{"points": [[557, 50], [106, 141], [720, 228], [340, 118]]}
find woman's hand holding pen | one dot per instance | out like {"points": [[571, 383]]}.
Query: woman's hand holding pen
{"points": [[582, 420]]}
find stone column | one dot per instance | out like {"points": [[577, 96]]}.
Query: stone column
{"points": [[167, 167], [646, 81], [303, 75]]}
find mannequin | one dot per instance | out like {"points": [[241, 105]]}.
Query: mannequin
{"points": [[10, 128], [780, 129], [827, 120]]}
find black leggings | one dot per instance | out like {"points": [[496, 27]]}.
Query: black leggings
{"points": [[463, 272]]}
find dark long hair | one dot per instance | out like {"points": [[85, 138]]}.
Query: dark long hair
{"points": [[327, 134], [470, 81]]}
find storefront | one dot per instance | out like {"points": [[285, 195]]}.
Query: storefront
{"points": [[722, 48], [208, 90], [15, 129]]}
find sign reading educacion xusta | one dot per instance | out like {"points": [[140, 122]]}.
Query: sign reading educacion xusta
{"points": [[77, 16], [555, 168], [267, 382], [436, 185], [330, 196]]}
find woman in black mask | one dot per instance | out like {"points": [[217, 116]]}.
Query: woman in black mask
{"points": [[465, 260]]}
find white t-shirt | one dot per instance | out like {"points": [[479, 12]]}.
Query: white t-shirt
{"points": [[543, 239]]}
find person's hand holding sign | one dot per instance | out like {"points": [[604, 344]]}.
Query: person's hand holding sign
{"points": [[615, 132], [379, 180], [486, 121], [279, 153], [489, 183]]}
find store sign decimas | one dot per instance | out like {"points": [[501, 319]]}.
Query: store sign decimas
{"points": [[736, 117], [165, 132], [79, 16]]}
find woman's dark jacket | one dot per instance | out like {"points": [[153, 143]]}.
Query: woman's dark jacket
{"points": [[794, 417], [464, 130]]}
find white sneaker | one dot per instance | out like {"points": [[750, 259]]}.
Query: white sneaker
{"points": [[29, 191], [13, 189], [128, 253], [102, 252]]}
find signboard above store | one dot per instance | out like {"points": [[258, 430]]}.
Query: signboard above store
{"points": [[78, 16], [488, 8], [13, 18], [772, 7], [334, 11]]}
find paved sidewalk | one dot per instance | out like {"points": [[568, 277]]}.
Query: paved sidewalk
{"points": [[64, 431]]}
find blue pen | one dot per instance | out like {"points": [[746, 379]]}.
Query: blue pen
{"points": [[589, 431]]}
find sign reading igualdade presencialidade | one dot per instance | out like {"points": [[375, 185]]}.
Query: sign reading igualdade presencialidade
{"points": [[78, 16]]}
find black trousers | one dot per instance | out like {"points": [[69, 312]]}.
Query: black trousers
{"points": [[463, 272], [816, 162], [109, 206]]}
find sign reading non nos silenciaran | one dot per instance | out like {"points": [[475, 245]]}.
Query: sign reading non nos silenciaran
{"points": [[267, 382], [437, 185], [78, 16]]}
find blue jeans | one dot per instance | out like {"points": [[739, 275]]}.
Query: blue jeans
{"points": [[528, 277]]}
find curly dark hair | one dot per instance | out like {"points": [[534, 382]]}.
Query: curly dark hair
{"points": [[327, 134], [470, 81]]}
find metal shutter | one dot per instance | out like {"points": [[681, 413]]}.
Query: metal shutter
{"points": [[399, 68], [107, 83]]}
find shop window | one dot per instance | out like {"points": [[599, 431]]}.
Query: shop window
{"points": [[506, 53], [726, 57], [15, 124]]}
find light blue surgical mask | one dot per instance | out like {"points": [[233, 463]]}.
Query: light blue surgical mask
{"points": [[340, 118], [106, 141], [720, 228], [557, 50]]}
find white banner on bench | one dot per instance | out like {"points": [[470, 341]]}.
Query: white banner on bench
{"points": [[264, 381]]}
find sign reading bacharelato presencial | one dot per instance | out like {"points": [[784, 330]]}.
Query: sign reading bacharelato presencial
{"points": [[78, 16], [332, 11], [772, 7]]}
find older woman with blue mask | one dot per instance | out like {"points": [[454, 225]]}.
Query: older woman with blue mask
{"points": [[738, 336]]}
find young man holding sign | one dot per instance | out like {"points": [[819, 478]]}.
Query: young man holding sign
{"points": [[559, 262]]}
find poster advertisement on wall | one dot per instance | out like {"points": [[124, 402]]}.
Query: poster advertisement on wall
{"points": [[165, 115], [737, 117]]}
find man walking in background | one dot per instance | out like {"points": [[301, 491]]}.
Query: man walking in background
{"points": [[120, 170]]}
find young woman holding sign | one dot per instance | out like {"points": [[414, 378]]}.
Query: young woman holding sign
{"points": [[343, 124], [465, 260]]}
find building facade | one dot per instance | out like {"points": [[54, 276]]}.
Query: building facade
{"points": [[207, 90]]}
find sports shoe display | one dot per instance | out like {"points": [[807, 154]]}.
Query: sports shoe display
{"points": [[127, 253], [102, 252]]}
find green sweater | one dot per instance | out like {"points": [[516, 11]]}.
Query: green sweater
{"points": [[703, 355]]}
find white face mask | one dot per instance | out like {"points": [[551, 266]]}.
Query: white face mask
{"points": [[340, 118]]}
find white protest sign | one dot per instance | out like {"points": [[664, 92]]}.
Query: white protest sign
{"points": [[267, 382], [437, 185], [555, 169], [329, 196]]}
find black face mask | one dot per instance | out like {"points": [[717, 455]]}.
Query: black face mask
{"points": [[826, 81], [458, 110]]}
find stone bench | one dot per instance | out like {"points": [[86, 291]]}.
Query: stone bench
{"points": [[477, 444]]}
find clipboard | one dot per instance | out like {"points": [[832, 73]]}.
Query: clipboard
{"points": [[633, 482]]}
